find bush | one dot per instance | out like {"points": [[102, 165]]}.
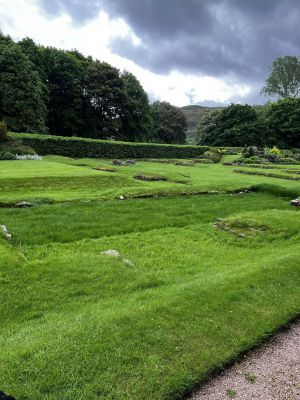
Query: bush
{"points": [[16, 148], [3, 132], [7, 156], [214, 155], [253, 160], [249, 151], [92, 148], [273, 154]]}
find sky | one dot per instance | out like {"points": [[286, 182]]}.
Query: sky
{"points": [[206, 52]]}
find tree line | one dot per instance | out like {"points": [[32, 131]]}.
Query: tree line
{"points": [[274, 124], [52, 91]]}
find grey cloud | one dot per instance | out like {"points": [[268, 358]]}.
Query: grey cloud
{"points": [[222, 38]]}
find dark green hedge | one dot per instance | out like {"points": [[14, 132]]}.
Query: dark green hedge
{"points": [[92, 148]]}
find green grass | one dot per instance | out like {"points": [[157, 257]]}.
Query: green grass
{"points": [[63, 179], [78, 324]]}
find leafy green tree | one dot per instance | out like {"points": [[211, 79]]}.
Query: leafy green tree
{"points": [[283, 119], [65, 80], [169, 123], [3, 132], [207, 128], [136, 117], [105, 98], [284, 78], [21, 90], [235, 125]]}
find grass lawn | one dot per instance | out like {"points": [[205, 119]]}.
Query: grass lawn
{"points": [[77, 324], [63, 179]]}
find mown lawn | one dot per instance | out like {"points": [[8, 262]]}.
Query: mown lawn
{"points": [[77, 324], [63, 179]]}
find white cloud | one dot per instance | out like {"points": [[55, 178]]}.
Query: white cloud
{"points": [[23, 18]]}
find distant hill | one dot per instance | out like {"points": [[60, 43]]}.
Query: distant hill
{"points": [[193, 113]]}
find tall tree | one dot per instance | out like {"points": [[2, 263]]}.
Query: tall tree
{"points": [[105, 96], [136, 117], [284, 78], [207, 128], [284, 123], [65, 80], [235, 125], [22, 105], [169, 123]]}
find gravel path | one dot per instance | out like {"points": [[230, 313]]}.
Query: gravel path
{"points": [[271, 372]]}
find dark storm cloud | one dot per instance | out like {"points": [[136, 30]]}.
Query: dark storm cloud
{"points": [[222, 38]]}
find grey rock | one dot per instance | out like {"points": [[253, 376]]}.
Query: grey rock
{"points": [[6, 234], [23, 204], [122, 197], [130, 162], [4, 229], [111, 253], [295, 202], [128, 263], [117, 162]]}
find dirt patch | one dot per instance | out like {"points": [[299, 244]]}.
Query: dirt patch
{"points": [[270, 372], [142, 177], [105, 169]]}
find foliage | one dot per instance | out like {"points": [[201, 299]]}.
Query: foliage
{"points": [[207, 127], [66, 93], [194, 114], [21, 96], [169, 123], [283, 118], [284, 78], [7, 156], [214, 155], [136, 115], [235, 125], [272, 154], [3, 132], [82, 147], [249, 151]]}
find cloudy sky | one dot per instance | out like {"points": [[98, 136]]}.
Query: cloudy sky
{"points": [[206, 52]]}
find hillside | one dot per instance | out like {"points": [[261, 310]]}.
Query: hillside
{"points": [[193, 113]]}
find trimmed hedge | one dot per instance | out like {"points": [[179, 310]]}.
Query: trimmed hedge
{"points": [[93, 148]]}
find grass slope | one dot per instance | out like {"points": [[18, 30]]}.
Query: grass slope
{"points": [[78, 324]]}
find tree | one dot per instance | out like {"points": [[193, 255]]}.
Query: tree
{"points": [[207, 128], [105, 99], [21, 90], [169, 123], [284, 123], [65, 82], [136, 117], [284, 78], [235, 125]]}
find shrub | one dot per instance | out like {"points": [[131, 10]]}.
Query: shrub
{"points": [[214, 155], [249, 151], [253, 160], [3, 132], [272, 154], [16, 148], [92, 148], [7, 156]]}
